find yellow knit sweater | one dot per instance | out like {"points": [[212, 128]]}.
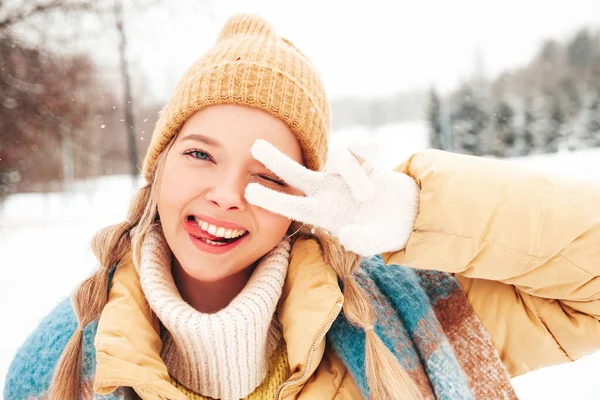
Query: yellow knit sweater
{"points": [[277, 373]]}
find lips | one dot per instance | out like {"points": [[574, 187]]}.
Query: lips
{"points": [[193, 229], [209, 243]]}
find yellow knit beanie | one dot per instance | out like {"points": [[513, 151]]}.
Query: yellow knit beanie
{"points": [[251, 65]]}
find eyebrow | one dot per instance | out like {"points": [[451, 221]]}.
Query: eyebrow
{"points": [[201, 138]]}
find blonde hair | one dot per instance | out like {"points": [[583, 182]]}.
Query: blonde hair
{"points": [[385, 376], [109, 245]]}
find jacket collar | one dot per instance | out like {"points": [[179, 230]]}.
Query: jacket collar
{"points": [[128, 343], [310, 302]]}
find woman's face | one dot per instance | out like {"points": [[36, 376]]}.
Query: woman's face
{"points": [[211, 229]]}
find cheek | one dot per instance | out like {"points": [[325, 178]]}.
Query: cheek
{"points": [[173, 191], [271, 223]]}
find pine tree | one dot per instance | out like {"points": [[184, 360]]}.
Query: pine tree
{"points": [[434, 118], [570, 100], [544, 127], [587, 128], [555, 103], [524, 144], [469, 123], [557, 119], [503, 129], [583, 52], [593, 122]]}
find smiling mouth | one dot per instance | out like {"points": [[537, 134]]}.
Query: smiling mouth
{"points": [[212, 234]]}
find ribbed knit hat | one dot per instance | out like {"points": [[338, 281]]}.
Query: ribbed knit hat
{"points": [[251, 65]]}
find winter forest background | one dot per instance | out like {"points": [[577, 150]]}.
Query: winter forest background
{"points": [[82, 83], [67, 114], [550, 104]]}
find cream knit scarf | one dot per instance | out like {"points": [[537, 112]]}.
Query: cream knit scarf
{"points": [[222, 355]]}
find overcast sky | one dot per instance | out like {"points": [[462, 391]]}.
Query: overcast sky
{"points": [[368, 48]]}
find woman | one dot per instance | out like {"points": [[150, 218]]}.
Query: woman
{"points": [[226, 279]]}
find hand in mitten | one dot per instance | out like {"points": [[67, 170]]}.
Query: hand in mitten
{"points": [[370, 209]]}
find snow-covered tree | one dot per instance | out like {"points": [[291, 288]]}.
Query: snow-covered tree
{"points": [[551, 106], [470, 122], [523, 123], [593, 120], [503, 129], [587, 126], [557, 119], [570, 100], [545, 123], [434, 118]]}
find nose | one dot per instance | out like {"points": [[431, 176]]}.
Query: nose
{"points": [[227, 193]]}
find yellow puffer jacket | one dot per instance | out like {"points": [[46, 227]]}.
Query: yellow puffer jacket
{"points": [[525, 248]]}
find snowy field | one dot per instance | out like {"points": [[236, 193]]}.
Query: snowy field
{"points": [[44, 251]]}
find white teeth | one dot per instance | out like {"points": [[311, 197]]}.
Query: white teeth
{"points": [[219, 231], [212, 230], [213, 242]]}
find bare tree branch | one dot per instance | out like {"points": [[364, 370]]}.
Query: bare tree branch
{"points": [[40, 8], [126, 76]]}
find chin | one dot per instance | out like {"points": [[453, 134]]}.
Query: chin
{"points": [[204, 273]]}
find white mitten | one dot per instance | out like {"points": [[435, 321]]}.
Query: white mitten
{"points": [[370, 209]]}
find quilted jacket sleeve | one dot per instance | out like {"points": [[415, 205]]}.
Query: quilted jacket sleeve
{"points": [[524, 246]]}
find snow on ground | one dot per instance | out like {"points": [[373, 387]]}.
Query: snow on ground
{"points": [[44, 250]]}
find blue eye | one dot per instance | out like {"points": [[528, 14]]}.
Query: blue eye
{"points": [[198, 154]]}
